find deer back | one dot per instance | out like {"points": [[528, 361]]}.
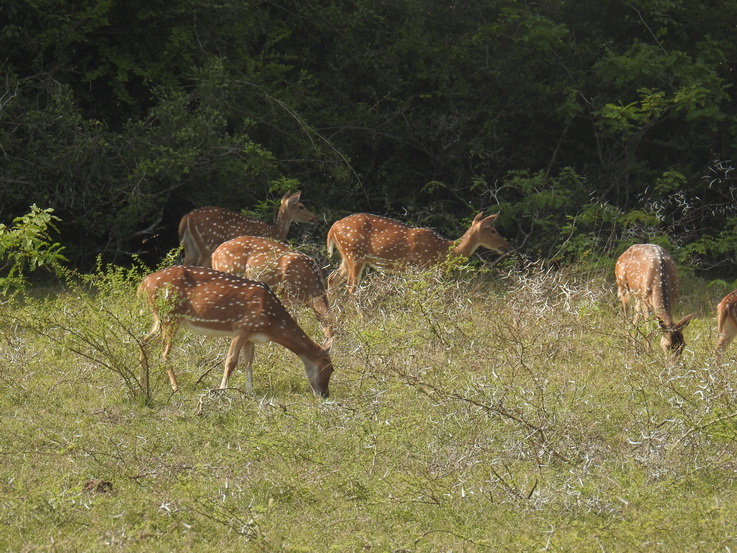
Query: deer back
{"points": [[271, 262], [649, 272], [370, 238], [204, 229], [212, 302]]}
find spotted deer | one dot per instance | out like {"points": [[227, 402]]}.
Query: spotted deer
{"points": [[204, 229], [291, 273], [384, 243], [726, 322], [648, 273], [214, 303]]}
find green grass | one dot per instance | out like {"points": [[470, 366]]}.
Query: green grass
{"points": [[514, 412]]}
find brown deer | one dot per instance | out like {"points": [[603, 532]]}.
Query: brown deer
{"points": [[384, 243], [204, 229], [288, 271], [726, 322], [214, 303], [648, 272]]}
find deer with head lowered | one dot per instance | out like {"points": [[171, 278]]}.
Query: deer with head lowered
{"points": [[214, 303], [726, 322], [290, 272], [648, 273], [363, 239], [204, 229]]}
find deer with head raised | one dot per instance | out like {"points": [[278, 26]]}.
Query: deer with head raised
{"points": [[363, 239], [726, 322], [648, 273], [290, 272], [214, 303], [204, 229]]}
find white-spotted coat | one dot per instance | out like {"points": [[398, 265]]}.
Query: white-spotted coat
{"points": [[214, 303], [363, 239], [648, 273], [204, 229], [293, 275]]}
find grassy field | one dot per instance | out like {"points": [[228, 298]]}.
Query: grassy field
{"points": [[495, 412]]}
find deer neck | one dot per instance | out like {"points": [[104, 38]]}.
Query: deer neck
{"points": [[465, 246], [663, 294], [281, 225], [294, 339]]}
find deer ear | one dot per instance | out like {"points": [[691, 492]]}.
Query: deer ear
{"points": [[291, 198], [478, 217], [491, 218], [683, 323]]}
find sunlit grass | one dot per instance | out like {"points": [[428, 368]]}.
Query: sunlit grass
{"points": [[510, 411]]}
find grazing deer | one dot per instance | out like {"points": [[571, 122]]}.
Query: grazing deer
{"points": [[726, 322], [364, 239], [204, 229], [279, 266], [214, 303], [648, 272]]}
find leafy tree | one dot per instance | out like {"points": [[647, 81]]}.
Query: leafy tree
{"points": [[123, 116]]}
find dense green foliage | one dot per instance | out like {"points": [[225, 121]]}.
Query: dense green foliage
{"points": [[490, 414], [26, 246], [586, 121]]}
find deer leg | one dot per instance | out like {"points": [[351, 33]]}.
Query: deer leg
{"points": [[337, 275], [169, 331], [231, 360], [642, 309], [192, 250], [155, 329], [727, 333], [152, 335], [637, 312], [249, 349], [331, 278], [624, 298], [354, 276], [321, 307], [203, 251]]}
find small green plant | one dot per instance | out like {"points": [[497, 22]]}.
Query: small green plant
{"points": [[28, 245], [98, 319]]}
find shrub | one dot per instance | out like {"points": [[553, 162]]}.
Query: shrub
{"points": [[26, 246]]}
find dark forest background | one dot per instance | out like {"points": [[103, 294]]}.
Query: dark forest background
{"points": [[588, 124]]}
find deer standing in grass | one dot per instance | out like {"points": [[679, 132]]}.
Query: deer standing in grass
{"points": [[214, 303], [288, 271], [204, 229], [648, 272], [726, 322], [384, 243]]}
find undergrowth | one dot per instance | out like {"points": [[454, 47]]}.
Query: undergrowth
{"points": [[502, 411]]}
